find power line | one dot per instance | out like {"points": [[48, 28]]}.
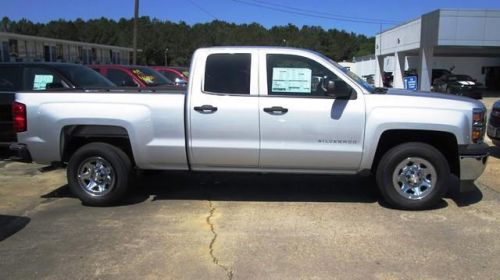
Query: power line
{"points": [[202, 9], [308, 13], [378, 20]]}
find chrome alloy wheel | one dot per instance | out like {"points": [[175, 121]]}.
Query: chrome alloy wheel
{"points": [[414, 178], [96, 176]]}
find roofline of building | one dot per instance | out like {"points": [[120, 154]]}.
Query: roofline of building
{"points": [[38, 38], [363, 58], [433, 11]]}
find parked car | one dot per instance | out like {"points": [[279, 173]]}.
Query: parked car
{"points": [[40, 77], [438, 73], [462, 85], [494, 124], [175, 75], [226, 121], [183, 69], [132, 75]]}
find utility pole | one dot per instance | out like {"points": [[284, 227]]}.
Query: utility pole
{"points": [[166, 57], [136, 16]]}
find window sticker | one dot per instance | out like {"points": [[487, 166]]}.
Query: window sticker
{"points": [[41, 81], [296, 80]]}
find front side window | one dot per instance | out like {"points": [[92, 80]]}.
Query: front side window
{"points": [[171, 76], [150, 77], [120, 78], [293, 75], [83, 77], [228, 73], [36, 78]]}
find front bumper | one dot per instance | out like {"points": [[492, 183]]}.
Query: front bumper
{"points": [[473, 160]]}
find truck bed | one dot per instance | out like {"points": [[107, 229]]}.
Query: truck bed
{"points": [[154, 122]]}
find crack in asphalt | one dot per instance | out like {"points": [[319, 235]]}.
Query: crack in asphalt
{"points": [[215, 259]]}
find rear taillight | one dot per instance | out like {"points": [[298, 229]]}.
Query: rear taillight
{"points": [[19, 117]]}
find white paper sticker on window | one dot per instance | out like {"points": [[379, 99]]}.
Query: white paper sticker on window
{"points": [[291, 80], [41, 81]]}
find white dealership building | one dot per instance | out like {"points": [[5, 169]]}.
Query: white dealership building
{"points": [[466, 41]]}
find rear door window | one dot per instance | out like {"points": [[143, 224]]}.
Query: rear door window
{"points": [[10, 80], [228, 73], [37, 78]]}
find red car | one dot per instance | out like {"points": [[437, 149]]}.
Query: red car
{"points": [[178, 74], [132, 75]]}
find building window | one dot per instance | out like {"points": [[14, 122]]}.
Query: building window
{"points": [[4, 51], [49, 53], [59, 52], [13, 48], [94, 56], [80, 54]]}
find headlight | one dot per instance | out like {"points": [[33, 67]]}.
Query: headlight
{"points": [[478, 123]]}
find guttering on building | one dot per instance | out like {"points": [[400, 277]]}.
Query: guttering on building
{"points": [[467, 38], [18, 47]]}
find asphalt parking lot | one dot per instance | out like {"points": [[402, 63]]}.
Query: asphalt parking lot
{"points": [[178, 225]]}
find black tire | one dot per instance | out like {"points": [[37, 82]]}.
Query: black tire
{"points": [[396, 156], [120, 170]]}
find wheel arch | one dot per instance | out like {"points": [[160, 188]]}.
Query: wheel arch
{"points": [[445, 142], [76, 136]]}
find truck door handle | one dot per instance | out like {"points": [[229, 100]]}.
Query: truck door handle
{"points": [[276, 110], [205, 109]]}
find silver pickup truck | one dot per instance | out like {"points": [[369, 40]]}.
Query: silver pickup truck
{"points": [[258, 109]]}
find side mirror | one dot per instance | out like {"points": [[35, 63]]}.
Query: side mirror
{"points": [[338, 89], [330, 87]]}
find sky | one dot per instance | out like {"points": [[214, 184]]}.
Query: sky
{"points": [[358, 16]]}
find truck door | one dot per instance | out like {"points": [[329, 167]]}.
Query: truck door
{"points": [[223, 111], [301, 125]]}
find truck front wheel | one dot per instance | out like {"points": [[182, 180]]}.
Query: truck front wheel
{"points": [[413, 176], [99, 174]]}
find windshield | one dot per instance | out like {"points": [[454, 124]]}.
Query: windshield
{"points": [[360, 81], [150, 77], [461, 78], [84, 77]]}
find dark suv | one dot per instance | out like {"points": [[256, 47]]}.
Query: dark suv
{"points": [[494, 124], [40, 77]]}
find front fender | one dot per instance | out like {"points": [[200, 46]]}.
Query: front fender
{"points": [[380, 120]]}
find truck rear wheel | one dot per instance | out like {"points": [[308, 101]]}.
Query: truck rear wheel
{"points": [[413, 176], [99, 174]]}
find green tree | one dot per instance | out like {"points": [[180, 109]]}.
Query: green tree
{"points": [[181, 40]]}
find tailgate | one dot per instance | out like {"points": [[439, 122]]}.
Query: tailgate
{"points": [[7, 134]]}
